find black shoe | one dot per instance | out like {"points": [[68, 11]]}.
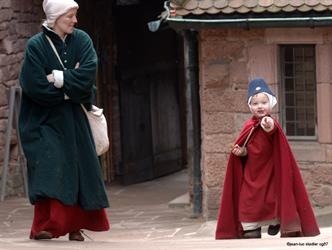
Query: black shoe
{"points": [[252, 234], [76, 236], [273, 229], [43, 235], [291, 234]]}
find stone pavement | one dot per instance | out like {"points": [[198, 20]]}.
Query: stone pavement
{"points": [[141, 218]]}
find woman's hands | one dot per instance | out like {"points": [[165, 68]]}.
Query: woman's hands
{"points": [[51, 78], [56, 78]]}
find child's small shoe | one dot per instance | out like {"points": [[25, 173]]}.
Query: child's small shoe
{"points": [[42, 235], [273, 229], [76, 236], [291, 234], [253, 234]]}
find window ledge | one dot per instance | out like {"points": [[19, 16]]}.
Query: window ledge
{"points": [[308, 151]]}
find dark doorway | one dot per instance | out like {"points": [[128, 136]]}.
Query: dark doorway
{"points": [[95, 17], [147, 71]]}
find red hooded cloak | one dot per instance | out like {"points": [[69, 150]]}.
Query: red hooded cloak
{"points": [[292, 206]]}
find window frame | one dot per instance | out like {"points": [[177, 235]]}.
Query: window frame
{"points": [[282, 103]]}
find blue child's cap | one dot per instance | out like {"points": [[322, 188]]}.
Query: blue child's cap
{"points": [[258, 85]]}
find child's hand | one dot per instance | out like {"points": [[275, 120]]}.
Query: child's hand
{"points": [[239, 151], [267, 123], [77, 65]]}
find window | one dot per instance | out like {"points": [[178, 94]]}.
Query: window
{"points": [[298, 90]]}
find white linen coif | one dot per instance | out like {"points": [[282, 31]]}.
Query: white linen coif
{"points": [[55, 8]]}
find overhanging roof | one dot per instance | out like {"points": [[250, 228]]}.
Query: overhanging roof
{"points": [[199, 7], [186, 14]]}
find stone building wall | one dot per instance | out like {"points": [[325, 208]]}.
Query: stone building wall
{"points": [[19, 19], [228, 59]]}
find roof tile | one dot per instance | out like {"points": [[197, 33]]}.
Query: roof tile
{"points": [[198, 7], [220, 4], [281, 3], [312, 2], [296, 3], [198, 11], [191, 5], [265, 3], [250, 3], [243, 10], [235, 3], [304, 8], [182, 12], [319, 7], [289, 8], [258, 9], [213, 10], [325, 2], [273, 9], [228, 10], [206, 4], [175, 6]]}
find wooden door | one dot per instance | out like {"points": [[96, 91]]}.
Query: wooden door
{"points": [[137, 155], [97, 26], [149, 90], [165, 117]]}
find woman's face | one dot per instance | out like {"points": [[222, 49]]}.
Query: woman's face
{"points": [[260, 105], [65, 24]]}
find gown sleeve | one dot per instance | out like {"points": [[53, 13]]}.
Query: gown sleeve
{"points": [[33, 78]]}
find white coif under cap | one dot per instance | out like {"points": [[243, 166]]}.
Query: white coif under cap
{"points": [[55, 8]]}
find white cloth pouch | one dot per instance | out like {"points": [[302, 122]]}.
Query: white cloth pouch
{"points": [[98, 126]]}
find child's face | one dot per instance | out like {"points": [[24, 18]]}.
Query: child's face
{"points": [[260, 105]]}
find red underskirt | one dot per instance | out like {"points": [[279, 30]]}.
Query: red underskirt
{"points": [[53, 216]]}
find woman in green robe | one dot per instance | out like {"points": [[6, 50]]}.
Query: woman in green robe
{"points": [[64, 174]]}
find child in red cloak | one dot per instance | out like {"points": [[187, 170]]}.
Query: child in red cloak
{"points": [[263, 184]]}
